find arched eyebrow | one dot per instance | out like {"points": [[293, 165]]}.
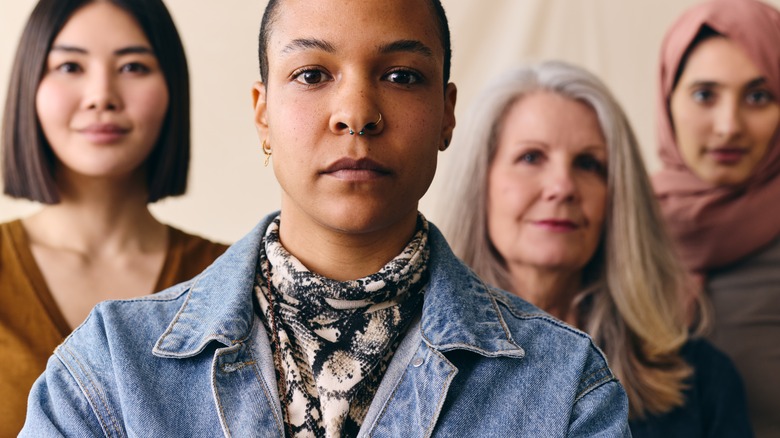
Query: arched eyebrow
{"points": [[757, 82], [412, 46], [309, 43], [141, 50]]}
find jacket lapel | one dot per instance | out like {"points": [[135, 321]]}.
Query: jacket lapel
{"points": [[244, 388]]}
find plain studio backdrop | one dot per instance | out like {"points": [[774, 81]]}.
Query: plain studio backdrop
{"points": [[230, 190]]}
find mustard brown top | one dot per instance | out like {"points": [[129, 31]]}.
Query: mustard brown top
{"points": [[31, 324]]}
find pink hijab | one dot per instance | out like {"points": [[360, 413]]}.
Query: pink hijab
{"points": [[715, 226]]}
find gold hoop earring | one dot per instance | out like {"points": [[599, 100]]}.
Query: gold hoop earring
{"points": [[267, 151]]}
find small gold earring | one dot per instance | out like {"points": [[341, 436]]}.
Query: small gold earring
{"points": [[267, 151]]}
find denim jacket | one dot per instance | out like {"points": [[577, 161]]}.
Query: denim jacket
{"points": [[195, 360]]}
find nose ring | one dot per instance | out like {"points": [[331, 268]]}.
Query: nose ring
{"points": [[370, 125]]}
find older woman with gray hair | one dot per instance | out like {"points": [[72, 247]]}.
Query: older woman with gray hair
{"points": [[551, 201]]}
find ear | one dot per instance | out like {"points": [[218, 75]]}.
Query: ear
{"points": [[448, 121], [261, 114]]}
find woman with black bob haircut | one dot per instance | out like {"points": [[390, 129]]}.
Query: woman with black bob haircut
{"points": [[96, 126], [345, 313]]}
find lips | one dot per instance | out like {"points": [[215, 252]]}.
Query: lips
{"points": [[350, 169], [557, 225], [104, 133], [727, 154]]}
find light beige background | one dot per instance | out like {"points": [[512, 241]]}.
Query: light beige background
{"points": [[230, 190]]}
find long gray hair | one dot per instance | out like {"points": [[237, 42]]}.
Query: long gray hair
{"points": [[630, 301]]}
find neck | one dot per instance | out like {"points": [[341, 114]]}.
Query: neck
{"points": [[96, 215], [551, 290], [341, 255]]}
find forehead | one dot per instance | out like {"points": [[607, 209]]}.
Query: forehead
{"points": [[552, 118], [100, 22], [720, 58], [346, 23]]}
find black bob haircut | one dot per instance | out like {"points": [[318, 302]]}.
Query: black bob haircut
{"points": [[271, 11], [28, 160]]}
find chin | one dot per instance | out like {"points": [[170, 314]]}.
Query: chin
{"points": [[726, 178], [362, 220], [557, 261]]}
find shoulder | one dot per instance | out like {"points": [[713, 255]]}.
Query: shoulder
{"points": [[544, 336], [188, 256], [115, 323], [11, 231], [15, 255], [716, 391], [525, 320], [195, 245], [711, 366]]}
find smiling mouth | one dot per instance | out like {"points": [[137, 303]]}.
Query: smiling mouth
{"points": [[349, 169], [557, 225], [104, 133]]}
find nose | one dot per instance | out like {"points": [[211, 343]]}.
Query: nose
{"points": [[101, 92], [728, 121], [559, 184], [356, 111]]}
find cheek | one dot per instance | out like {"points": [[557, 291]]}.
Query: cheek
{"points": [[54, 105], [765, 127], [596, 208], [690, 122], [295, 122], [508, 199], [508, 192], [149, 105]]}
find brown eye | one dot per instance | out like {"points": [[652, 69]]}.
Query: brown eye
{"points": [[69, 67], [403, 77], [703, 96], [134, 67], [310, 76]]}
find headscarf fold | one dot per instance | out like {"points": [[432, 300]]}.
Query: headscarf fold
{"points": [[716, 226]]}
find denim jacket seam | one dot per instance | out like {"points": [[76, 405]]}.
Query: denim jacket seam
{"points": [[104, 422], [220, 408], [500, 317], [443, 393], [162, 296], [539, 315], [171, 326], [387, 402], [606, 379], [381, 413], [266, 390]]}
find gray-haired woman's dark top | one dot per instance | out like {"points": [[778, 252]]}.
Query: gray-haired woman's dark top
{"points": [[714, 401]]}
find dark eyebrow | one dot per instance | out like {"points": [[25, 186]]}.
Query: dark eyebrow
{"points": [[757, 82], [412, 46], [143, 50], [70, 49], [309, 43], [134, 50]]}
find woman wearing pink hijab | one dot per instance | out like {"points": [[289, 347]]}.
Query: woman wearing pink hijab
{"points": [[720, 186]]}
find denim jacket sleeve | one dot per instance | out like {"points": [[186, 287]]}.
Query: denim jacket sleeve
{"points": [[601, 411], [57, 406]]}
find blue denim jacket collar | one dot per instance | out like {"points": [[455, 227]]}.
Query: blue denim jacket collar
{"points": [[449, 321]]}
